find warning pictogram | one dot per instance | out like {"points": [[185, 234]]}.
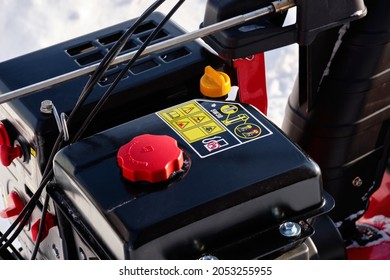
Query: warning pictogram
{"points": [[212, 127], [214, 143], [239, 118], [182, 124], [247, 131], [229, 109], [187, 110], [174, 114], [198, 119], [212, 146], [209, 129]]}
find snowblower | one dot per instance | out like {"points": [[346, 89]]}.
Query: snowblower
{"points": [[143, 141]]}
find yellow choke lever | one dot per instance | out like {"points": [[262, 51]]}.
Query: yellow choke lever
{"points": [[214, 84]]}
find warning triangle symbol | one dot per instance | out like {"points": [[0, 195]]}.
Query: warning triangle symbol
{"points": [[187, 110], [198, 119], [209, 129], [182, 124]]}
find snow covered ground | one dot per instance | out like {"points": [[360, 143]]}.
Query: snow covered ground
{"points": [[28, 25]]}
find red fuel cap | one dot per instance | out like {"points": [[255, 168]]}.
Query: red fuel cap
{"points": [[151, 158]]}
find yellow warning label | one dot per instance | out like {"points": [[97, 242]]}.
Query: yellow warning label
{"points": [[191, 121]]}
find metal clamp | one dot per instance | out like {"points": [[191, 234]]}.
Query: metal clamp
{"points": [[47, 107]]}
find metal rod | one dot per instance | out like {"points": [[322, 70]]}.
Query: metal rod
{"points": [[276, 6]]}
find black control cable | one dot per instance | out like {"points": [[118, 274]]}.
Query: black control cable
{"points": [[23, 222], [14, 253]]}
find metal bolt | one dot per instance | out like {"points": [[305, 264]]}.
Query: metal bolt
{"points": [[357, 182], [208, 258], [290, 229], [47, 107]]}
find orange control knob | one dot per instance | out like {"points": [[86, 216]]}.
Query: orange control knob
{"points": [[151, 158], [15, 206]]}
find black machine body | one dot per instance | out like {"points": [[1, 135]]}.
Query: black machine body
{"points": [[228, 183]]}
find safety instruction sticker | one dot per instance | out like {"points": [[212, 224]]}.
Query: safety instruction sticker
{"points": [[192, 122], [211, 127]]}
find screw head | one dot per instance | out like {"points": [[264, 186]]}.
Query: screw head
{"points": [[357, 182], [290, 229]]}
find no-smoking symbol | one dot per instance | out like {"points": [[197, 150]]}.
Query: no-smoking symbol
{"points": [[213, 145]]}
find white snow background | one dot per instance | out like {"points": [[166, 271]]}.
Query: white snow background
{"points": [[29, 25]]}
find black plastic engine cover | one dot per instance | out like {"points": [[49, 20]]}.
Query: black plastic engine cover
{"points": [[250, 178]]}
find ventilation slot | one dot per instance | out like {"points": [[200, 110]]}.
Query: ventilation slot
{"points": [[128, 46], [84, 48], [145, 27], [171, 56], [110, 38], [144, 66], [159, 35], [94, 57]]}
